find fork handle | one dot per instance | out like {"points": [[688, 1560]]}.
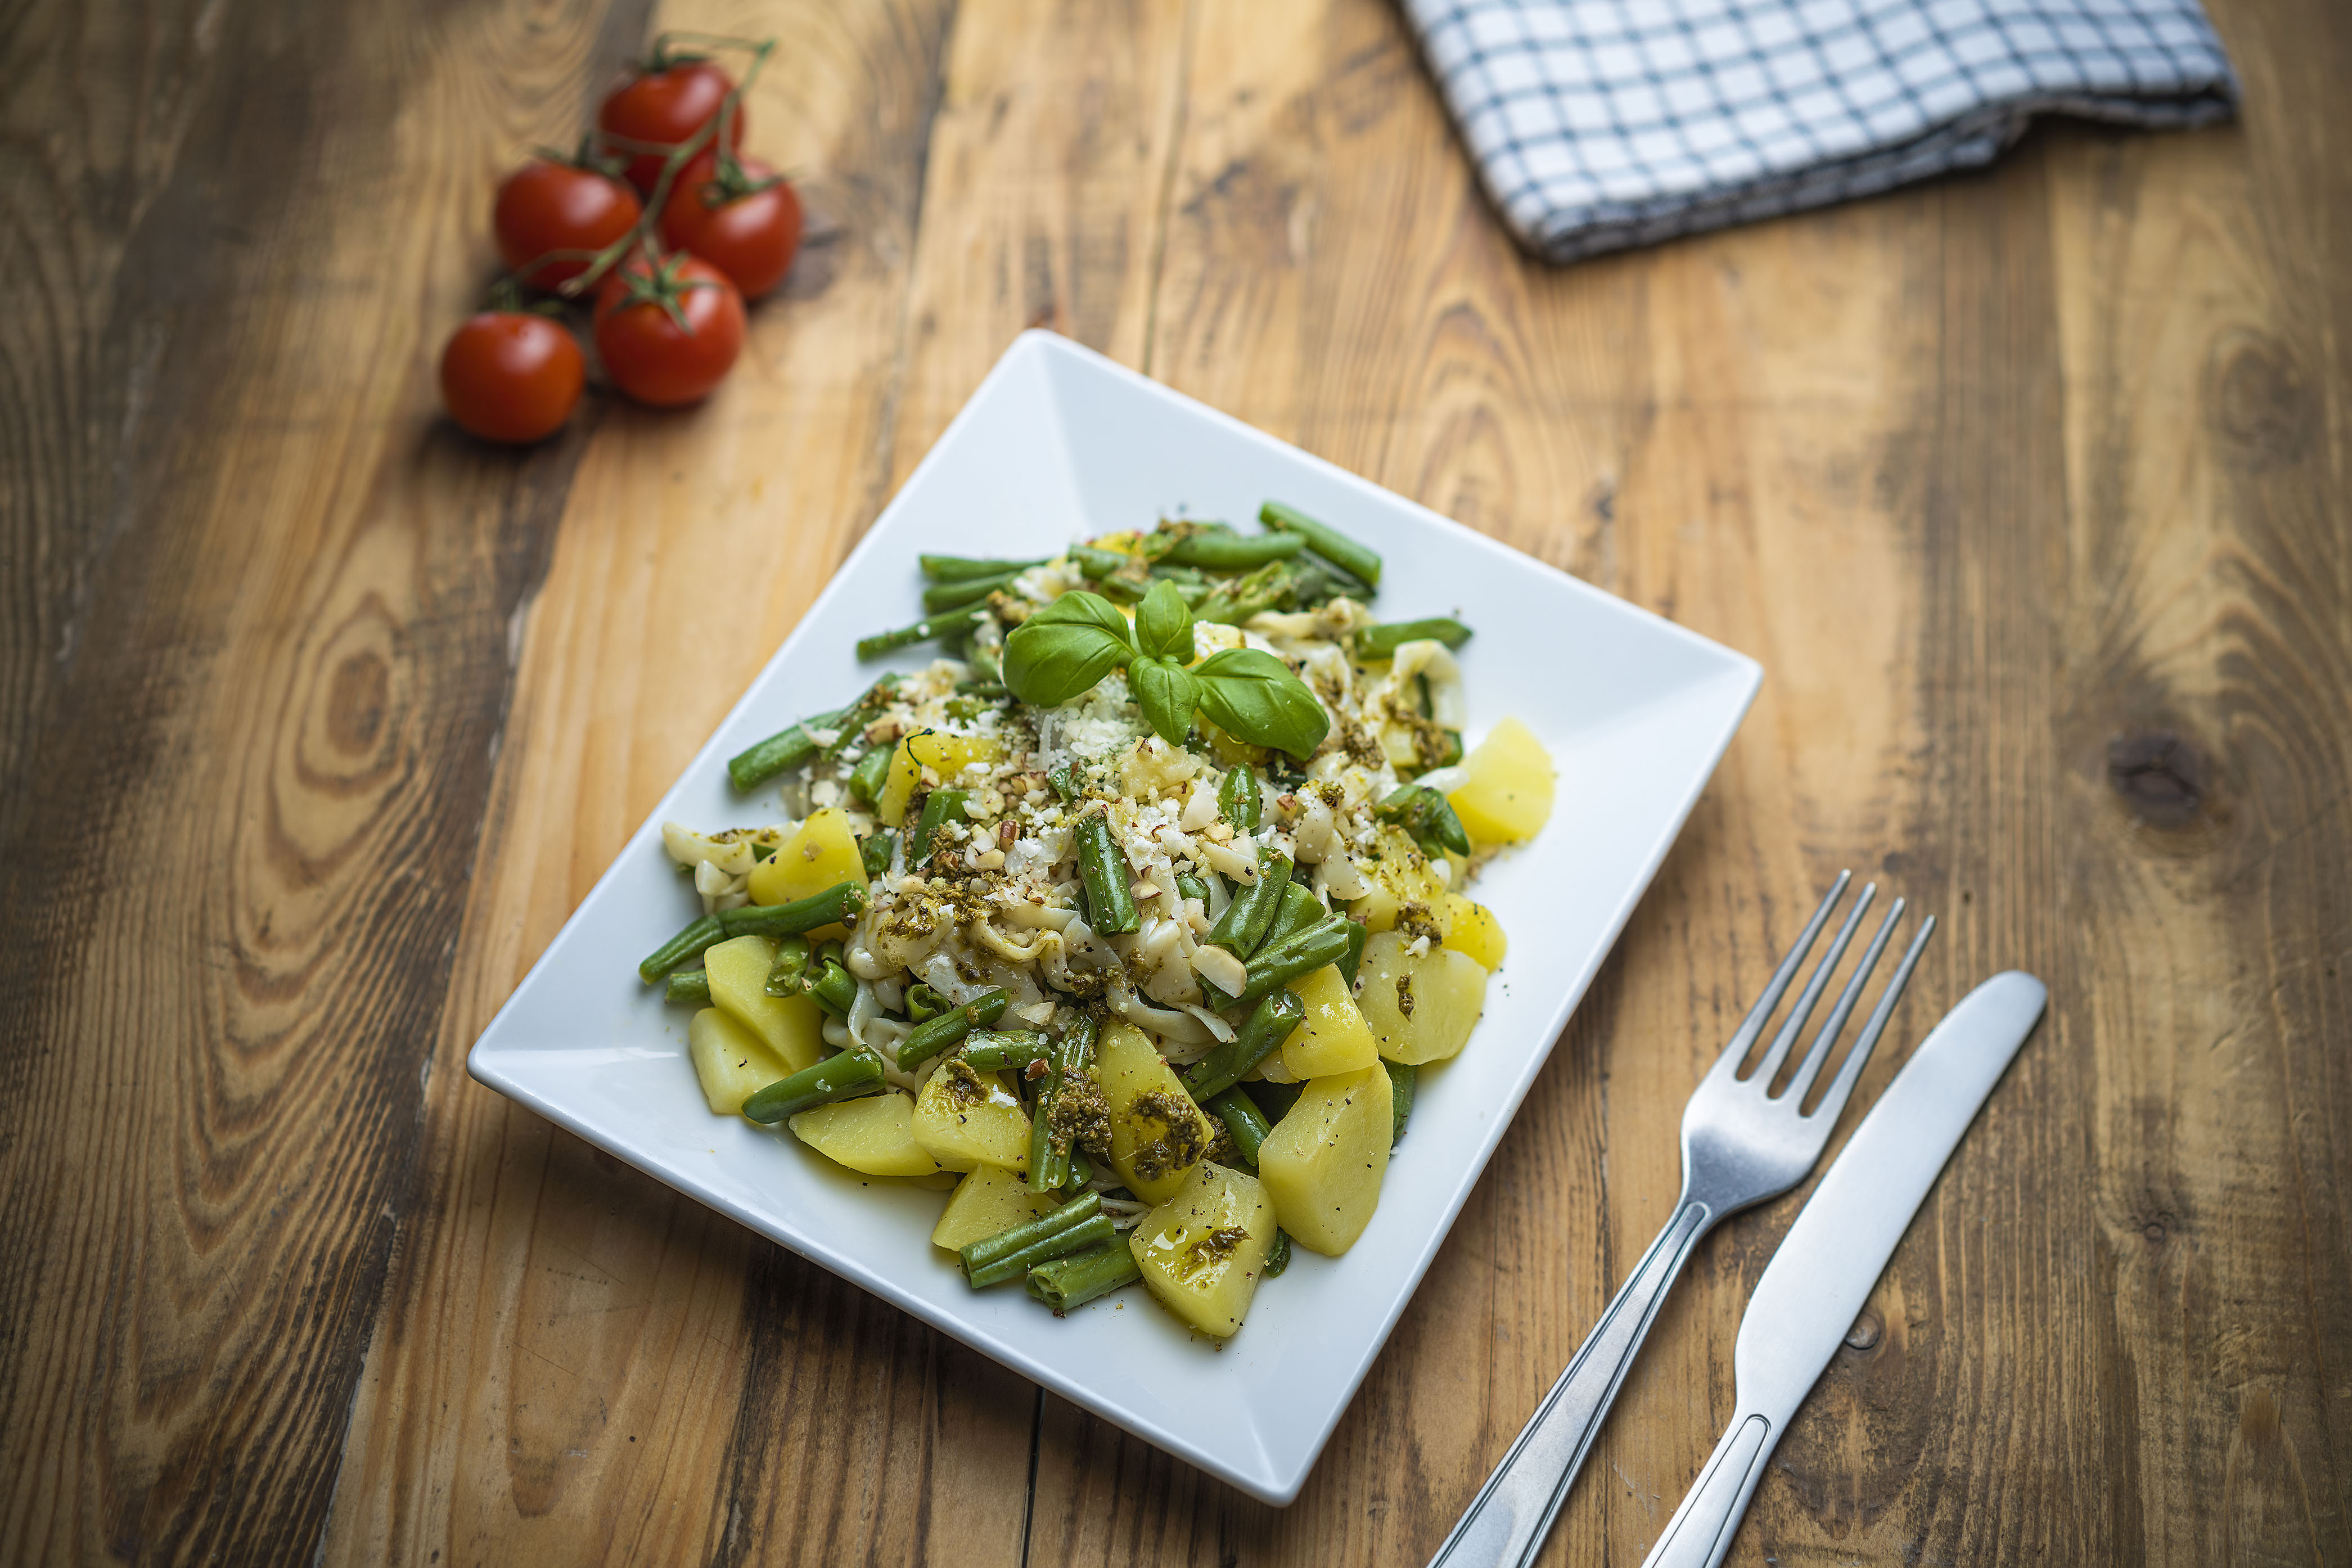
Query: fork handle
{"points": [[1507, 1522]]}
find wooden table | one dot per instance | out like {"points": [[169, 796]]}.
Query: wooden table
{"points": [[317, 719]]}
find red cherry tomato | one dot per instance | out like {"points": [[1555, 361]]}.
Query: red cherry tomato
{"points": [[750, 236], [665, 106], [546, 205], [509, 375], [645, 351]]}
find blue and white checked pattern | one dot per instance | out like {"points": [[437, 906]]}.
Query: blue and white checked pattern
{"points": [[1599, 124]]}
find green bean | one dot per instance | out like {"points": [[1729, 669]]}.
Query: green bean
{"points": [[967, 590], [688, 987], [1269, 1025], [1065, 782], [874, 852], [1098, 564], [1273, 967], [861, 713], [989, 1254], [1428, 817], [787, 748], [786, 973], [1121, 590], [1245, 922], [941, 807], [1049, 1167], [1320, 583], [1403, 1078], [923, 1003], [1452, 752], [1383, 641], [1187, 886], [1234, 551], [1353, 957], [1326, 541], [844, 1077], [840, 904], [1241, 800], [872, 772], [836, 990], [1110, 907], [765, 851], [1242, 1119], [948, 624], [1082, 1170], [1236, 599], [932, 1037], [1275, 1098], [1277, 1257], [960, 568], [1078, 1278], [696, 939], [1299, 908], [994, 1051]]}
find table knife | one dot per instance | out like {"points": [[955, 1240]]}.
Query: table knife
{"points": [[1834, 1254]]}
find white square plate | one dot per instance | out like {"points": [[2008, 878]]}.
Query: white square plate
{"points": [[1060, 443]]}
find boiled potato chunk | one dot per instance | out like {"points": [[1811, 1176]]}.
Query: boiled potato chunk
{"points": [[730, 1061], [946, 756], [965, 1118], [1473, 928], [822, 854], [1420, 1009], [1323, 1162], [1508, 794], [1156, 1133], [1202, 1250], [790, 1026], [874, 1136], [990, 1200], [1400, 874], [1333, 1037]]}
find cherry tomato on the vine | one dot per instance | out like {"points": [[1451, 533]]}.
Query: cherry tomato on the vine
{"points": [[511, 375], [547, 206], [668, 332], [664, 106], [745, 220]]}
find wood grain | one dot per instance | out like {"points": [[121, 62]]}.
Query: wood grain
{"points": [[2026, 487]]}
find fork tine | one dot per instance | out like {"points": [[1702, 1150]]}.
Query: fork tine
{"points": [[1817, 1054], [1840, 1088], [1811, 994], [1753, 1024]]}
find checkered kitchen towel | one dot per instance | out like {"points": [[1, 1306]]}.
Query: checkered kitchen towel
{"points": [[1599, 124]]}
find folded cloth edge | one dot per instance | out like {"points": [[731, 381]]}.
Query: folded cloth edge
{"points": [[1971, 139]]}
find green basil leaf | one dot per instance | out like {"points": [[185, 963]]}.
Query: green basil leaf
{"points": [[1254, 697], [1163, 625], [1168, 694], [1065, 649]]}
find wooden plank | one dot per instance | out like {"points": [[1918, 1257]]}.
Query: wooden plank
{"points": [[576, 1364], [269, 606], [1043, 202]]}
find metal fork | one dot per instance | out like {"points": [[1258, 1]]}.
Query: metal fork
{"points": [[1742, 1145]]}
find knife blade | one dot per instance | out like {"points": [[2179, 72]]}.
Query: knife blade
{"points": [[1833, 1256]]}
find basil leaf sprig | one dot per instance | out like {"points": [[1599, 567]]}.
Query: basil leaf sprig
{"points": [[1065, 649]]}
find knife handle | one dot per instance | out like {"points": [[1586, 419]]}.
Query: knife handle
{"points": [[1507, 1520], [1700, 1533]]}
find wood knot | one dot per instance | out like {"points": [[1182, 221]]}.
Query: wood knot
{"points": [[2257, 398], [1865, 1331], [2161, 776]]}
